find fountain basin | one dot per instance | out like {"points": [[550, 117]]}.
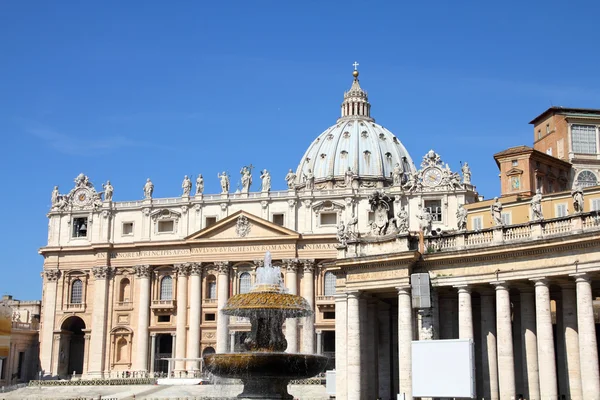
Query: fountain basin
{"points": [[261, 300], [265, 375]]}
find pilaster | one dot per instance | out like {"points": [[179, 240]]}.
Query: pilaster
{"points": [[99, 320], [48, 317], [143, 273], [222, 297]]}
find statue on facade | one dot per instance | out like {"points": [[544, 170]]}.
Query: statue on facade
{"points": [[186, 185], [466, 172], [108, 191], [349, 177], [397, 175], [351, 233], [413, 182], [496, 211], [426, 220], [341, 235], [55, 196], [577, 194], [246, 173], [309, 178], [266, 180], [290, 179], [224, 178], [402, 221], [536, 206], [148, 189], [199, 184], [82, 181], [461, 218]]}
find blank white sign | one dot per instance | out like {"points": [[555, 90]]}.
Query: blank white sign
{"points": [[443, 368]]}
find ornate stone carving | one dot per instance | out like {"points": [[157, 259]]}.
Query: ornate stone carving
{"points": [[182, 269], [536, 206], [348, 231], [106, 213], [402, 221], [222, 267], [496, 211], [242, 226], [148, 189], [349, 177], [383, 222], [309, 178], [291, 203], [290, 179], [461, 218], [308, 265], [398, 177], [577, 194], [291, 264], [146, 211], [266, 180], [246, 173], [264, 204], [52, 275], [143, 271], [186, 186], [425, 221], [198, 207], [466, 172], [199, 185], [101, 272], [259, 263], [82, 196], [184, 209], [307, 203], [223, 207], [196, 269], [224, 179]]}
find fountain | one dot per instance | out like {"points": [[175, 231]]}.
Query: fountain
{"points": [[264, 369]]}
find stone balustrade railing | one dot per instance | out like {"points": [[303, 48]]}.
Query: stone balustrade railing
{"points": [[514, 233], [25, 326]]}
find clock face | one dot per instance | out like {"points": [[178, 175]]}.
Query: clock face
{"points": [[432, 177], [81, 197]]}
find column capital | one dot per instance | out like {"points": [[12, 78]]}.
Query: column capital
{"points": [[581, 277], [463, 288], [541, 281], [52, 275], [499, 285], [143, 271], [222, 267], [195, 269], [340, 297], [308, 265], [259, 263], [182, 269], [355, 294], [291, 264], [403, 289], [102, 272], [153, 334]]}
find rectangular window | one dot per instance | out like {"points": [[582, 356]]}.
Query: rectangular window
{"points": [[371, 217], [505, 218], [561, 210], [477, 223], [208, 221], [549, 151], [212, 290], [515, 163], [278, 219], [583, 139], [328, 218], [547, 128], [164, 318], [595, 205], [539, 133], [166, 226], [210, 317], [127, 228], [80, 227], [434, 207], [329, 315]]}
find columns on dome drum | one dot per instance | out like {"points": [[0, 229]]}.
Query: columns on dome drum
{"points": [[405, 336], [291, 324], [183, 271], [97, 351], [506, 373], [222, 297], [141, 359], [308, 327], [195, 315]]}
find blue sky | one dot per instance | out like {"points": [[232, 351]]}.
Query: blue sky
{"points": [[130, 90]]}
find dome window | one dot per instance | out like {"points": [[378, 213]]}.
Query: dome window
{"points": [[367, 153], [364, 134], [307, 159], [346, 134], [343, 153], [388, 155], [323, 155], [330, 136], [382, 136], [362, 124], [395, 140]]}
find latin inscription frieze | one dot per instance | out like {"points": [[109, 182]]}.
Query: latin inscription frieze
{"points": [[375, 275]]}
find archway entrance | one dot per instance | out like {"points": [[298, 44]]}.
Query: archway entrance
{"points": [[163, 350], [72, 344]]}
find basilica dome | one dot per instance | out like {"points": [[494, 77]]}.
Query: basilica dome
{"points": [[355, 142]]}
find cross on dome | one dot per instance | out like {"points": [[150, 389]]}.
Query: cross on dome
{"points": [[355, 65]]}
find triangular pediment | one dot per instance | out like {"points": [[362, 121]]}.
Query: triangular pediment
{"points": [[243, 226], [514, 171]]}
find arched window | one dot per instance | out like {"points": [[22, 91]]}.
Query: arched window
{"points": [[124, 290], [166, 288], [329, 284], [122, 350], [244, 283], [587, 178], [76, 291], [211, 287]]}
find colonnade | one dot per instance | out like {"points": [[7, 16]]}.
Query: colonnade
{"points": [[516, 345]]}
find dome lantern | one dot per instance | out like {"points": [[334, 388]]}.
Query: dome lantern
{"points": [[356, 102]]}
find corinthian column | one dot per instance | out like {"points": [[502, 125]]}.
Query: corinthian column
{"points": [[195, 314], [506, 361], [308, 328], [47, 333], [99, 318], [141, 357], [291, 324], [545, 341], [588, 347], [222, 296], [405, 337], [183, 270]]}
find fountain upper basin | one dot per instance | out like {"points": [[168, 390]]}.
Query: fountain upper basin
{"points": [[265, 365]]}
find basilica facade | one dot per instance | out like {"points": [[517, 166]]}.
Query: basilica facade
{"points": [[128, 285]]}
